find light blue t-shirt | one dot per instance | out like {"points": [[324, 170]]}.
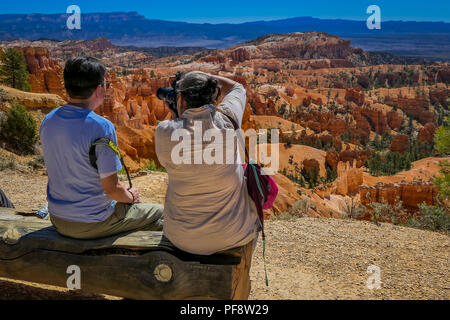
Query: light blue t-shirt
{"points": [[75, 191]]}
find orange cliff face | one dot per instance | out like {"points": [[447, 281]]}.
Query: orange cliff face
{"points": [[411, 194], [315, 83], [132, 102], [308, 45], [46, 74], [327, 98], [400, 143], [129, 102]]}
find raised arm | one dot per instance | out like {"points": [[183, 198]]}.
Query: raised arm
{"points": [[234, 99], [225, 83]]}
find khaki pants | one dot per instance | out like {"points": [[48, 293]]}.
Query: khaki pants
{"points": [[126, 217]]}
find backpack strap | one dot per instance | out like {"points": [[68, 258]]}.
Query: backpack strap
{"points": [[236, 127], [110, 144]]}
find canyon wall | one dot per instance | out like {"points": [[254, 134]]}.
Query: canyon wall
{"points": [[411, 194], [46, 74]]}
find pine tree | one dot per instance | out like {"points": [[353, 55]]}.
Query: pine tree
{"points": [[18, 131], [442, 138], [13, 70]]}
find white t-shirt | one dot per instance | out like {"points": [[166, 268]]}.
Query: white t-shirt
{"points": [[207, 207]]}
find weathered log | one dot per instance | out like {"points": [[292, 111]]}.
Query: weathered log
{"points": [[136, 265]]}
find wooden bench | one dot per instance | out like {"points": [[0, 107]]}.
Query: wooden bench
{"points": [[137, 265]]}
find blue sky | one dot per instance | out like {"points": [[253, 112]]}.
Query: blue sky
{"points": [[214, 11]]}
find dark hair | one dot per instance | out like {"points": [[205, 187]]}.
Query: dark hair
{"points": [[82, 75], [199, 97]]}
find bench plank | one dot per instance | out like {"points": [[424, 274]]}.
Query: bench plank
{"points": [[135, 265]]}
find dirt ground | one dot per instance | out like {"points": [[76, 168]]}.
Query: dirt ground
{"points": [[306, 258]]}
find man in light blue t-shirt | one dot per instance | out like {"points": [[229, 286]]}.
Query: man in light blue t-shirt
{"points": [[85, 202]]}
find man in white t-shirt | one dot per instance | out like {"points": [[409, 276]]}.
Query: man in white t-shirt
{"points": [[207, 207]]}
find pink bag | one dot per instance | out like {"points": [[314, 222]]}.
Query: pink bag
{"points": [[272, 191], [272, 195]]}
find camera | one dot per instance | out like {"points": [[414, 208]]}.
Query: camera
{"points": [[170, 95]]}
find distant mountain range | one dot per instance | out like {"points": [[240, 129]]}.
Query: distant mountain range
{"points": [[418, 39]]}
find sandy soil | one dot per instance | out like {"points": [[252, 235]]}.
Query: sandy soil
{"points": [[328, 259], [306, 258]]}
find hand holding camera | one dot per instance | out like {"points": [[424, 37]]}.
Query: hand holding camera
{"points": [[170, 95]]}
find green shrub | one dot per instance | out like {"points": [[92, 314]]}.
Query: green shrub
{"points": [[431, 217], [442, 145], [353, 210], [37, 162], [300, 208], [443, 181], [283, 217], [442, 138], [3, 95], [384, 212], [18, 131], [151, 166], [7, 162], [381, 143]]}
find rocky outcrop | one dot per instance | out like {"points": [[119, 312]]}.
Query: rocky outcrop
{"points": [[439, 95], [376, 118], [411, 194], [30, 100], [132, 102], [443, 75], [357, 156], [400, 143], [363, 126], [259, 106], [289, 91], [307, 101], [394, 120], [363, 81], [46, 74], [426, 133], [269, 65], [340, 63], [350, 178], [332, 159], [337, 126], [96, 44], [416, 108], [239, 55], [309, 45], [355, 95], [137, 146], [310, 165]]}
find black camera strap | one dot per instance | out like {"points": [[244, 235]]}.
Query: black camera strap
{"points": [[110, 144]]}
